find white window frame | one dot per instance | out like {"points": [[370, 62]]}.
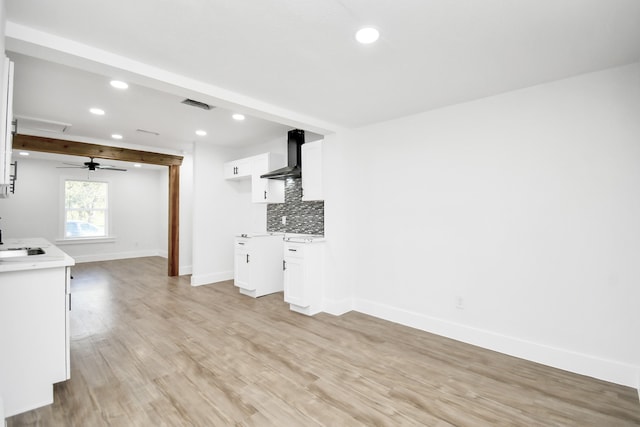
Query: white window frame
{"points": [[63, 239]]}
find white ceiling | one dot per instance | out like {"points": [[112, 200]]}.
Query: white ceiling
{"points": [[296, 61], [54, 92]]}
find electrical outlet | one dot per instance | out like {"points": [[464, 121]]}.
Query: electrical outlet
{"points": [[284, 220], [459, 303]]}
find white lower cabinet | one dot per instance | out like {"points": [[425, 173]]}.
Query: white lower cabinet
{"points": [[34, 336], [303, 273], [258, 265]]}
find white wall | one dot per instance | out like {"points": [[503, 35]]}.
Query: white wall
{"points": [[524, 206], [138, 208], [186, 213], [222, 209], [3, 22]]}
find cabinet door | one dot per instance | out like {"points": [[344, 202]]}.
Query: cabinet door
{"points": [[294, 286], [312, 171], [242, 271], [237, 169], [6, 116], [265, 190]]}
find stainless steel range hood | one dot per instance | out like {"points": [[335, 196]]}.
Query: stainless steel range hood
{"points": [[295, 139]]}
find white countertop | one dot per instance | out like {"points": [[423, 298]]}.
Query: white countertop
{"points": [[52, 257], [288, 237], [303, 238]]}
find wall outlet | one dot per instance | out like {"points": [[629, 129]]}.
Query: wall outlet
{"points": [[284, 220], [459, 303]]}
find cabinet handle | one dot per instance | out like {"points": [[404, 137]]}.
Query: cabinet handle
{"points": [[293, 250], [69, 302], [284, 265], [265, 195], [247, 258]]}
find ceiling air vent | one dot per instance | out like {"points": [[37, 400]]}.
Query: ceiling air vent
{"points": [[150, 132], [197, 104]]}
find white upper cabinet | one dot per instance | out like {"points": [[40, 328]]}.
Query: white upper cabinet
{"points": [[312, 171], [266, 190], [6, 117], [238, 169], [262, 190]]}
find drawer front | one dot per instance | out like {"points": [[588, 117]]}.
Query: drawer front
{"points": [[242, 243], [293, 250]]}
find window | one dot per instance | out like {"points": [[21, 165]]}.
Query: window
{"points": [[86, 209]]}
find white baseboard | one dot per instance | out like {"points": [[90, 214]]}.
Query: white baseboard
{"points": [[337, 308], [207, 279], [184, 270], [114, 256], [583, 364]]}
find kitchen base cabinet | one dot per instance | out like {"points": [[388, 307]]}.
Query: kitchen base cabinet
{"points": [[258, 265], [303, 276], [34, 336]]}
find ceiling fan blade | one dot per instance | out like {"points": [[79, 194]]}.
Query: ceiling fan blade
{"points": [[72, 164], [70, 167], [110, 168]]}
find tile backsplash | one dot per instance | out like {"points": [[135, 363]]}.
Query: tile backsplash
{"points": [[302, 217]]}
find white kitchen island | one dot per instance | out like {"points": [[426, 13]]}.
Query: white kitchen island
{"points": [[35, 301]]}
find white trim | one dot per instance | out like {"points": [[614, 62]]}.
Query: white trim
{"points": [[580, 363], [207, 279], [337, 308], [83, 240], [185, 270], [114, 256]]}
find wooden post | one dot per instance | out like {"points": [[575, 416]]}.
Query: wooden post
{"points": [[174, 220], [75, 148]]}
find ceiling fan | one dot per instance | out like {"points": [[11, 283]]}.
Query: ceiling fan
{"points": [[91, 165]]}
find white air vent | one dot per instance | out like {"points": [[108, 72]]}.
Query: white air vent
{"points": [[150, 132], [41, 124], [197, 104]]}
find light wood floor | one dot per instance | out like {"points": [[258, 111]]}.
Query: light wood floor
{"points": [[149, 350]]}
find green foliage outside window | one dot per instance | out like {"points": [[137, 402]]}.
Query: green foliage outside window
{"points": [[86, 208]]}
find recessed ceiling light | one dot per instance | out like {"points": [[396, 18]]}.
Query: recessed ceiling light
{"points": [[367, 35], [238, 116], [201, 133], [137, 165], [24, 153], [96, 111], [116, 136], [119, 84]]}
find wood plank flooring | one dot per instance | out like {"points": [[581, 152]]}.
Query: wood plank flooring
{"points": [[150, 350]]}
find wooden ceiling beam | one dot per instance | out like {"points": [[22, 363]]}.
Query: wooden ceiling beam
{"points": [[73, 148]]}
